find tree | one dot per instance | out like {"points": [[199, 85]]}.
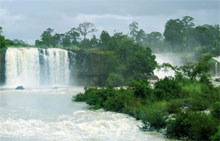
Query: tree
{"points": [[204, 35], [47, 37], [66, 40], [94, 41], [74, 35], [2, 39], [57, 39], [0, 30], [140, 35], [105, 37], [174, 32], [154, 37], [189, 40], [133, 27], [86, 28], [187, 22]]}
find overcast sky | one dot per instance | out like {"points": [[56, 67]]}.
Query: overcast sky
{"points": [[27, 19]]}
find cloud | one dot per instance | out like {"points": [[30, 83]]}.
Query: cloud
{"points": [[7, 19], [6, 0], [27, 19]]}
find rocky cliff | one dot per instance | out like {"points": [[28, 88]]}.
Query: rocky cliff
{"points": [[2, 66]]}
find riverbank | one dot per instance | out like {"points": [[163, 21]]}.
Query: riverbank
{"points": [[183, 107]]}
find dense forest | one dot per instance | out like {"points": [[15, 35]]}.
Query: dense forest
{"points": [[179, 35]]}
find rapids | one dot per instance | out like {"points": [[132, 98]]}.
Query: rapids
{"points": [[50, 114]]}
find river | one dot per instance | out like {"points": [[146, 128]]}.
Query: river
{"points": [[50, 114]]}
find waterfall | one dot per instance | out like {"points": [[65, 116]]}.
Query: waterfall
{"points": [[33, 67], [217, 67], [170, 58]]}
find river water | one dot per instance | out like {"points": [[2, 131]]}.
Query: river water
{"points": [[50, 114]]}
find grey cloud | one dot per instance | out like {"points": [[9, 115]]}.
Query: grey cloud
{"points": [[26, 19]]}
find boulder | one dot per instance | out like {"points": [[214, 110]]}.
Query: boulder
{"points": [[20, 88]]}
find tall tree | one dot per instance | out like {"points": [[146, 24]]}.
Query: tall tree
{"points": [[2, 39], [133, 27], [86, 28], [105, 37], [140, 35], [57, 39], [0, 30], [74, 35], [187, 22], [205, 36], [66, 40], [174, 32], [47, 37]]}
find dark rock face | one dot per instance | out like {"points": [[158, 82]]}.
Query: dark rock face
{"points": [[91, 68], [20, 88], [152, 77], [217, 79], [2, 66]]}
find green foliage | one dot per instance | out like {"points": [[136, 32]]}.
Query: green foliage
{"points": [[187, 108], [179, 126], [6, 42], [117, 103], [197, 126], [133, 27], [154, 114], [118, 58], [175, 106], [216, 136], [167, 88], [86, 28], [173, 32], [127, 60], [141, 88], [95, 97], [2, 41], [215, 110], [114, 80]]}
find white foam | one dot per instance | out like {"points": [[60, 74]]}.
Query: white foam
{"points": [[82, 125], [170, 58]]}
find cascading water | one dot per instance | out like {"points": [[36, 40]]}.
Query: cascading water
{"points": [[33, 67], [171, 58], [217, 67]]}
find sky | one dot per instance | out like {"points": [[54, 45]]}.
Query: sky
{"points": [[27, 19]]}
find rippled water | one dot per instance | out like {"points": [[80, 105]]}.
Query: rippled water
{"points": [[50, 114]]}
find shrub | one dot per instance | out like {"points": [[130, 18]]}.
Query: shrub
{"points": [[95, 96], [116, 103], [167, 88], [215, 110], [178, 128], [193, 125], [141, 88], [174, 106], [198, 103], [202, 126], [154, 114], [114, 80], [216, 136], [79, 97]]}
